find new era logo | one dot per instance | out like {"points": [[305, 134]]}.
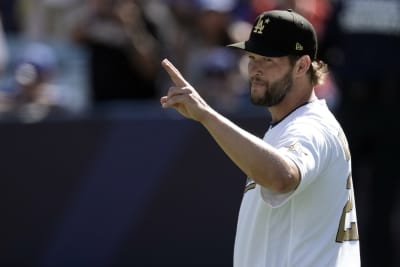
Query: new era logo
{"points": [[299, 47]]}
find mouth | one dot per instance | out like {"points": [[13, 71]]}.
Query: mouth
{"points": [[256, 84]]}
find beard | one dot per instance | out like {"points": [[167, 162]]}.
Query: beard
{"points": [[274, 93]]}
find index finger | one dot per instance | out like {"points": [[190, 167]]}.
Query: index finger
{"points": [[174, 73]]}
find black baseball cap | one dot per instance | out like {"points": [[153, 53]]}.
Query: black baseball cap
{"points": [[278, 33]]}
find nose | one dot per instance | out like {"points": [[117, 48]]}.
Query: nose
{"points": [[254, 68]]}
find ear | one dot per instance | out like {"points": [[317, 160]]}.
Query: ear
{"points": [[302, 65]]}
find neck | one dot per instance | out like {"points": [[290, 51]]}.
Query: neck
{"points": [[290, 103]]}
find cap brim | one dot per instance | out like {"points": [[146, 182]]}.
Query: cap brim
{"points": [[240, 45], [256, 49]]}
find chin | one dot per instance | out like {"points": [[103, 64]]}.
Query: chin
{"points": [[257, 101]]}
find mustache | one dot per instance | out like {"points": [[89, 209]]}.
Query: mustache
{"points": [[256, 79]]}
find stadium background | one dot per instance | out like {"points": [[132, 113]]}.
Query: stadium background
{"points": [[121, 182]]}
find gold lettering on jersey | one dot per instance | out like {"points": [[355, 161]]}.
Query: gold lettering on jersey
{"points": [[259, 28], [345, 146], [350, 233], [347, 234], [349, 182], [297, 148]]}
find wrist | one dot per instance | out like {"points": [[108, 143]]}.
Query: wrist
{"points": [[209, 117]]}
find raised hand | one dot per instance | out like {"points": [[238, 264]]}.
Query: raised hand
{"points": [[183, 97]]}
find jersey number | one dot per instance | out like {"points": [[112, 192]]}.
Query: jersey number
{"points": [[349, 233]]}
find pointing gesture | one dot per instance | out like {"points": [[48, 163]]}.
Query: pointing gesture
{"points": [[174, 73], [183, 97]]}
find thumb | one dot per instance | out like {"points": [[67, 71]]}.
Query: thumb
{"points": [[174, 73]]}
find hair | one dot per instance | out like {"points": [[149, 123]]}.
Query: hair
{"points": [[318, 70]]}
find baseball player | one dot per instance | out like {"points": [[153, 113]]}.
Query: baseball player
{"points": [[298, 207]]}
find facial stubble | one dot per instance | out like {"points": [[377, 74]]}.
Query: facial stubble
{"points": [[274, 93]]}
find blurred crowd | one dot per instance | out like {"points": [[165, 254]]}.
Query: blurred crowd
{"points": [[69, 56], [64, 57]]}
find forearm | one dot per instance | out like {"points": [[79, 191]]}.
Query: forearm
{"points": [[257, 159], [253, 156]]}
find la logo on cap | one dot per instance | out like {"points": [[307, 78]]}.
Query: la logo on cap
{"points": [[260, 25]]}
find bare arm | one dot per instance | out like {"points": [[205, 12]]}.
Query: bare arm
{"points": [[260, 161]]}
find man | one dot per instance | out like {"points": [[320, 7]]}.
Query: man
{"points": [[298, 208]]}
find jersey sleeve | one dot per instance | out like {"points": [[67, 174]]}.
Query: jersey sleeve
{"points": [[307, 146]]}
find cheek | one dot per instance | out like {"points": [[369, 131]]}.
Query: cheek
{"points": [[250, 68], [255, 68]]}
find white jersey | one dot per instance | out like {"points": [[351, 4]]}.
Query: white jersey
{"points": [[316, 224]]}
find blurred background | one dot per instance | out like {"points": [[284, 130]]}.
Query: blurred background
{"points": [[94, 173]]}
